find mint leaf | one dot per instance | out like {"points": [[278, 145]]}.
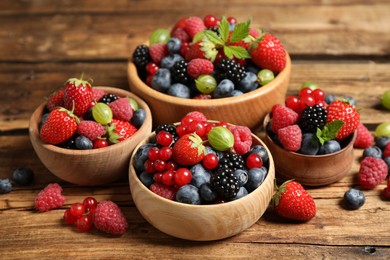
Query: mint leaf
{"points": [[237, 51], [223, 29], [240, 32], [330, 131], [213, 37]]}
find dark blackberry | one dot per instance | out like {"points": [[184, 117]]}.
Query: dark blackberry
{"points": [[141, 56], [70, 144], [229, 69], [225, 183], [214, 29], [108, 98], [170, 129], [232, 161], [179, 73], [312, 117]]}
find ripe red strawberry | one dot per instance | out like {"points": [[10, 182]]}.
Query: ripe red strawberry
{"points": [[49, 198], [91, 129], [242, 139], [195, 51], [78, 96], [193, 25], [372, 172], [163, 190], [344, 111], [268, 52], [158, 51], [59, 126], [109, 218], [290, 137], [120, 130], [364, 137], [188, 150], [282, 116], [55, 100], [197, 67], [292, 201], [122, 109]]}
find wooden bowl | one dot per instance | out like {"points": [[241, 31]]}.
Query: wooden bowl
{"points": [[89, 167], [201, 222], [248, 109], [311, 170]]}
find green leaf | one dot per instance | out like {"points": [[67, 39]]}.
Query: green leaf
{"points": [[209, 50], [228, 51], [236, 51], [241, 31], [198, 36], [223, 29], [329, 131], [213, 37]]}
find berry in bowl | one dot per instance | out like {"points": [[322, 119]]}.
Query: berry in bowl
{"points": [[85, 135], [200, 179], [224, 69], [312, 141]]}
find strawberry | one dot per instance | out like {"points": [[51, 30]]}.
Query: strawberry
{"points": [[292, 201], [188, 150], [158, 51], [109, 218], [78, 96], [290, 137], [193, 25], [122, 109], [364, 138], [197, 67], [268, 52], [56, 99], [282, 116], [344, 111], [59, 126], [120, 130], [202, 49], [91, 129]]}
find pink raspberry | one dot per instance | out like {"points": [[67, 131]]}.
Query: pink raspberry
{"points": [[109, 218], [181, 34], [163, 190], [97, 94], [290, 137], [197, 67], [282, 116], [91, 129], [364, 138], [197, 116], [386, 151], [49, 198], [158, 51], [193, 25], [242, 139], [372, 172], [122, 109]]}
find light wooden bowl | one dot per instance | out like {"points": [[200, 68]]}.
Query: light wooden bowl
{"points": [[248, 109], [89, 167], [311, 170], [201, 222]]}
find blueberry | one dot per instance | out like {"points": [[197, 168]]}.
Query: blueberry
{"points": [[242, 176], [249, 82], [83, 143], [329, 98], [261, 151], [310, 144], [43, 119], [23, 176], [161, 80], [199, 175], [141, 155], [382, 141], [138, 117], [206, 193], [188, 194], [354, 198], [146, 179], [330, 146], [170, 60], [209, 149], [236, 93], [350, 100], [179, 90], [242, 192], [256, 177], [5, 186], [224, 89], [372, 151], [174, 45]]}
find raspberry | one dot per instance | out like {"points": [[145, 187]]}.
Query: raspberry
{"points": [[281, 117], [193, 25], [158, 51], [197, 67], [242, 139], [109, 218], [290, 137], [197, 116], [372, 172], [181, 34], [97, 94], [49, 198], [121, 109], [163, 190], [364, 138], [386, 151], [91, 129]]}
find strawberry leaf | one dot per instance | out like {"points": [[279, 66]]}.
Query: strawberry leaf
{"points": [[236, 51], [209, 49], [329, 131], [199, 36], [213, 37], [241, 31], [197, 143], [223, 29]]}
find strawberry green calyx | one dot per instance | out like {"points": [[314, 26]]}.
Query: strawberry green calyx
{"points": [[329, 132], [79, 82], [112, 135], [197, 143], [70, 113], [279, 192]]}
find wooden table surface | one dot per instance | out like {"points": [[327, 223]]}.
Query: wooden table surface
{"points": [[342, 45]]}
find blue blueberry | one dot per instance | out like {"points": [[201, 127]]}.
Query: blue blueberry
{"points": [[199, 175], [330, 146], [351, 100], [256, 177], [188, 194], [138, 117], [43, 119], [23, 176], [242, 192], [249, 82], [354, 198], [206, 193], [146, 179], [170, 60], [179, 90], [174, 45], [5, 186], [382, 141], [372, 151], [242, 176], [209, 149], [310, 144], [141, 155], [224, 89], [161, 80], [237, 93], [329, 98], [261, 151], [83, 143]]}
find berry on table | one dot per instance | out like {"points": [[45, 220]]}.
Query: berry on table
{"points": [[23, 176], [354, 198], [49, 198], [372, 172], [364, 138], [77, 209], [69, 218], [109, 218], [5, 186], [84, 223]]}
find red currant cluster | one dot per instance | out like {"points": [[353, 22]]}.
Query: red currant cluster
{"points": [[81, 214], [306, 97]]}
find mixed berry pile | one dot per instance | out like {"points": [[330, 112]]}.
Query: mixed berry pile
{"points": [[209, 58], [79, 116], [199, 162]]}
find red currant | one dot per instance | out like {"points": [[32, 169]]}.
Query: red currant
{"points": [[254, 161], [165, 153], [186, 121], [196, 127], [292, 102], [159, 165], [181, 130], [305, 92], [231, 20], [224, 124], [318, 95], [210, 161], [84, 223], [322, 103], [100, 143], [90, 203], [151, 68], [164, 138], [171, 166], [77, 209], [168, 178], [210, 21], [149, 79], [149, 166], [153, 154], [157, 177], [306, 101], [183, 176], [69, 218]]}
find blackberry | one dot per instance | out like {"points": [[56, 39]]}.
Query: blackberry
{"points": [[141, 56], [225, 183], [108, 98], [214, 29], [179, 73], [170, 129], [229, 69], [232, 161], [312, 117]]}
